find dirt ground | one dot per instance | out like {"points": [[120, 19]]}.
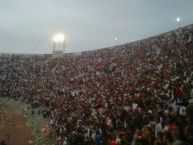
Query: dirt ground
{"points": [[15, 125]]}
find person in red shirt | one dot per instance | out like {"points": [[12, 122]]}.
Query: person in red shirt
{"points": [[112, 141]]}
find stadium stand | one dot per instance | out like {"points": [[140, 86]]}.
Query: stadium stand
{"points": [[139, 93]]}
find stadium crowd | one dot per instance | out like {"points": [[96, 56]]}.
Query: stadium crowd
{"points": [[139, 93]]}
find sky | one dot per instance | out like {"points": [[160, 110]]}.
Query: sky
{"points": [[27, 26]]}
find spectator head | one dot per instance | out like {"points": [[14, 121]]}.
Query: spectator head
{"points": [[158, 142], [167, 138], [188, 131], [175, 133]]}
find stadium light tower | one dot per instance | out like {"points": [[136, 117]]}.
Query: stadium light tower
{"points": [[178, 20], [58, 37], [58, 45], [115, 39]]}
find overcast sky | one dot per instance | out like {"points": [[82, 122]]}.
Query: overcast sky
{"points": [[27, 26]]}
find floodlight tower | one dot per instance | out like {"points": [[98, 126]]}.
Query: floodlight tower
{"points": [[58, 45], [178, 20], [116, 40]]}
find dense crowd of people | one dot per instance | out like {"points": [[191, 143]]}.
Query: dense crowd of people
{"points": [[139, 93]]}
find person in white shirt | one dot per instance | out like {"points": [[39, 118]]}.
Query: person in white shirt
{"points": [[158, 127]]}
